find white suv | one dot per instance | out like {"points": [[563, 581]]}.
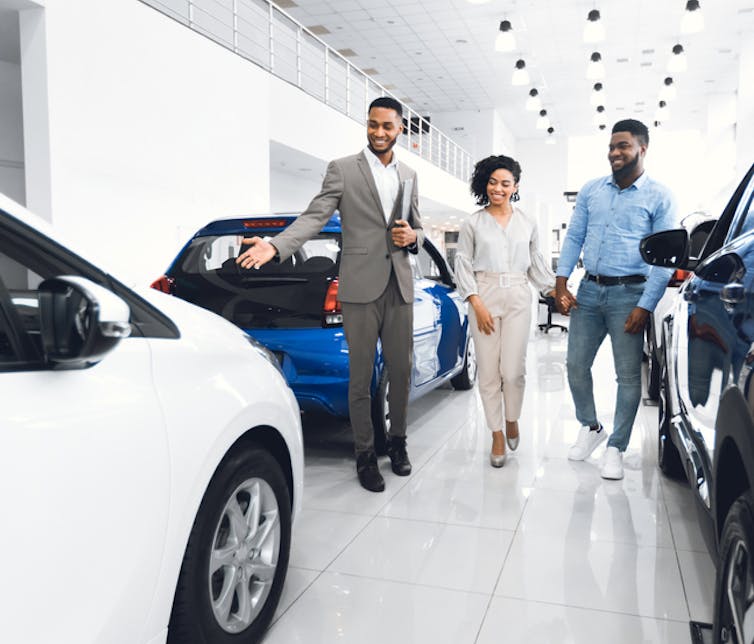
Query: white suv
{"points": [[150, 458]]}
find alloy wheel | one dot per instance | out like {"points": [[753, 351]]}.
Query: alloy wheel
{"points": [[244, 555]]}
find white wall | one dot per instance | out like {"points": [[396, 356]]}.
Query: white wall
{"points": [[543, 181], [480, 132], [745, 108], [154, 131], [291, 192], [11, 133]]}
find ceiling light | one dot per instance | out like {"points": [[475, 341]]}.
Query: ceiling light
{"points": [[596, 68], [677, 62], [594, 30], [520, 75], [533, 103], [550, 135], [543, 122], [599, 117], [598, 95], [668, 93], [505, 40], [602, 126], [693, 18], [663, 111]]}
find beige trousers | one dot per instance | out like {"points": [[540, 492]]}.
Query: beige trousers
{"points": [[501, 356]]}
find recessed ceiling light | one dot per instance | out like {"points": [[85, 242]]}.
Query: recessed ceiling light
{"points": [[621, 60], [461, 41], [646, 63], [647, 51]]}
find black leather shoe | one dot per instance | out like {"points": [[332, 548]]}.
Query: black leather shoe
{"points": [[369, 474], [398, 458]]}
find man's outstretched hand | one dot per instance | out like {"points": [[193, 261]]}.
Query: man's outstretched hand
{"points": [[259, 254]]}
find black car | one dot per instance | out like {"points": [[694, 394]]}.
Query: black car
{"points": [[706, 409]]}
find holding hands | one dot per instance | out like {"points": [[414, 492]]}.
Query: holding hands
{"points": [[564, 299]]}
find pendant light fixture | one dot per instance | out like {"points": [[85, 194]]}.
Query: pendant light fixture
{"points": [[533, 103], [596, 68], [599, 117], [693, 18], [505, 40], [598, 95], [594, 30], [550, 136], [663, 112], [668, 92], [677, 62], [520, 75], [543, 122]]}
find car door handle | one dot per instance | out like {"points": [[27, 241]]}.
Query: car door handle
{"points": [[732, 293]]}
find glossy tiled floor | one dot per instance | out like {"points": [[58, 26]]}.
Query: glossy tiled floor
{"points": [[542, 550]]}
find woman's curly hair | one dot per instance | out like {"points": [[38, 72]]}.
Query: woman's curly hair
{"points": [[484, 169]]}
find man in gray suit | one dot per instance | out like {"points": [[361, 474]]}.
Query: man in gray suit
{"points": [[378, 203]]}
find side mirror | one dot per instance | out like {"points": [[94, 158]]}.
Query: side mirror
{"points": [[723, 269], [669, 248], [80, 321]]}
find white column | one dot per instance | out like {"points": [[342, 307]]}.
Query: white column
{"points": [[36, 123], [745, 109]]}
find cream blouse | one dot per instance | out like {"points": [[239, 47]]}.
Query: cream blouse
{"points": [[484, 245]]}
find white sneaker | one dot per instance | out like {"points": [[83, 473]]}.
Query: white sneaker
{"points": [[586, 443], [612, 468]]}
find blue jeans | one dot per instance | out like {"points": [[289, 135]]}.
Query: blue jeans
{"points": [[603, 310]]}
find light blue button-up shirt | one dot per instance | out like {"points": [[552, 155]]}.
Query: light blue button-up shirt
{"points": [[608, 223]]}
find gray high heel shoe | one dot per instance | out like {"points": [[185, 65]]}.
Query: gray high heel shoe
{"points": [[498, 460], [512, 442]]}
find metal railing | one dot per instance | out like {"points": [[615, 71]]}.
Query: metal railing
{"points": [[267, 36]]}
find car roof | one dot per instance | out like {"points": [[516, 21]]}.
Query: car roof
{"points": [[260, 223]]}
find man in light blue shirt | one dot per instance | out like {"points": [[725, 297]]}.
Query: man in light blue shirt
{"points": [[618, 292]]}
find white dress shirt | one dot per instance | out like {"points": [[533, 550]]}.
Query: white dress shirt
{"points": [[386, 179], [484, 245]]}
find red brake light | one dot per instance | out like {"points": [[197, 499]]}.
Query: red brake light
{"points": [[265, 223], [679, 276], [165, 284], [331, 311]]}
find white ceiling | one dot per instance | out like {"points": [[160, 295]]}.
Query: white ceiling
{"points": [[438, 55]]}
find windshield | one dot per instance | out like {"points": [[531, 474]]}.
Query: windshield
{"points": [[289, 294]]}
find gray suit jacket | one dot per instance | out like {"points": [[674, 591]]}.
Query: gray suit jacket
{"points": [[368, 252]]}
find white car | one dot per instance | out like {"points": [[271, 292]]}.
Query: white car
{"points": [[151, 458]]}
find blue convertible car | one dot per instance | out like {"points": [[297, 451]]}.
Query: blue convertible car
{"points": [[292, 307]]}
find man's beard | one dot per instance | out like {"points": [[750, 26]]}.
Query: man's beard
{"points": [[626, 170], [385, 151]]}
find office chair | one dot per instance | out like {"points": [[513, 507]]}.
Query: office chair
{"points": [[549, 324]]}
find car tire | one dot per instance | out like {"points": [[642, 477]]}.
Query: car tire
{"points": [[735, 574], [668, 457], [381, 414], [237, 555], [467, 377]]}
